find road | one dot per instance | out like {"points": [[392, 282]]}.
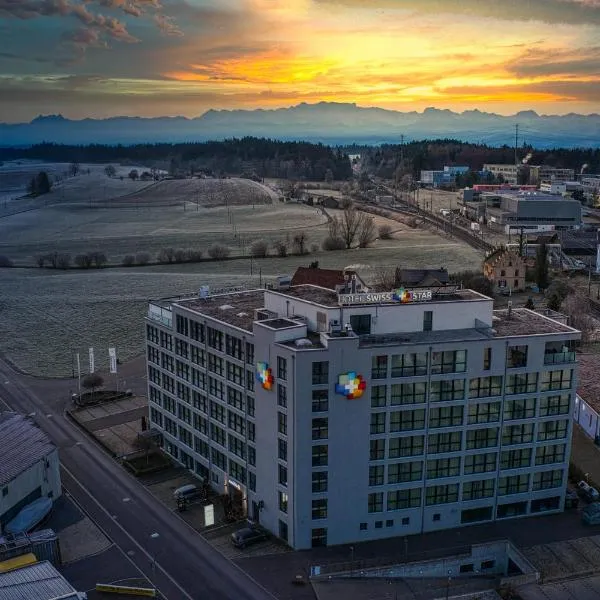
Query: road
{"points": [[180, 563]]}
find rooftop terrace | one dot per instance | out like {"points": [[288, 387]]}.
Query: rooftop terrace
{"points": [[522, 321]]}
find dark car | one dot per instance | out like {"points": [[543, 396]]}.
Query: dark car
{"points": [[247, 536]]}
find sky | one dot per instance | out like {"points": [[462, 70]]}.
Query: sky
{"points": [[102, 58]]}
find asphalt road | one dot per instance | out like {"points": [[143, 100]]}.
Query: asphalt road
{"points": [[180, 563]]}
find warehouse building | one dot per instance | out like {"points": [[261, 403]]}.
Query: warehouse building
{"points": [[29, 465], [334, 418], [39, 581]]}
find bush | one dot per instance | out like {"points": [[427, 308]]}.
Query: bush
{"points": [[143, 258], [63, 261], [333, 243], [412, 222], [218, 251], [83, 261], [259, 249], [473, 280], [281, 248], [385, 232], [128, 260], [98, 259], [5, 261]]}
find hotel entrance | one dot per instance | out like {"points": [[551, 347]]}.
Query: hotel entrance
{"points": [[236, 503]]}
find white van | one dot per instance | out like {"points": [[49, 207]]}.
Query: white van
{"points": [[186, 492]]}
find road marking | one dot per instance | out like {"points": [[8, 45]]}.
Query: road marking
{"points": [[126, 499], [6, 382], [49, 415]]}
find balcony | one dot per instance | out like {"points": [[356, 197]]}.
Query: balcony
{"points": [[558, 358], [160, 314]]}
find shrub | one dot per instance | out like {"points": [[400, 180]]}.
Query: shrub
{"points": [[281, 248], [333, 243], [412, 222], [299, 242], [40, 260], [218, 251], [5, 261], [143, 258], [259, 249], [194, 255], [314, 248], [98, 259], [63, 261], [83, 261], [385, 232], [180, 255], [128, 260]]}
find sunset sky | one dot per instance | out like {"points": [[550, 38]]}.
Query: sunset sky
{"points": [[99, 58]]}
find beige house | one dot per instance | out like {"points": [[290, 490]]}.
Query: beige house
{"points": [[505, 269]]}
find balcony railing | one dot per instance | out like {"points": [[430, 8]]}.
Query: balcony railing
{"points": [[557, 358]]}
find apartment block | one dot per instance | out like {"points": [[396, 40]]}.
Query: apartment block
{"points": [[334, 418]]}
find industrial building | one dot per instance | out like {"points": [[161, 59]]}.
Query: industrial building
{"points": [[510, 210], [39, 581], [531, 174], [445, 177], [29, 465], [340, 417]]}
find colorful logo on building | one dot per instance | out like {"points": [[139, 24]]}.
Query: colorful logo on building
{"points": [[405, 296], [351, 385], [265, 375]]}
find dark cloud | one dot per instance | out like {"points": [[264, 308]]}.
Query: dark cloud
{"points": [[545, 62], [546, 11]]}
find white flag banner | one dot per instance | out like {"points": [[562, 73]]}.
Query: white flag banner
{"points": [[112, 357], [91, 360], [78, 365]]}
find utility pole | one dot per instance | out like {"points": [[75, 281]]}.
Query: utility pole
{"points": [[516, 144]]}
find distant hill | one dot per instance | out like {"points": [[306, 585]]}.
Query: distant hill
{"points": [[330, 123]]}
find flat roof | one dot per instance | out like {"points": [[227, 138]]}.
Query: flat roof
{"points": [[522, 321], [40, 581], [588, 381], [22, 443]]}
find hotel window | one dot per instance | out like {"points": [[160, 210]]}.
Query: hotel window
{"points": [[407, 420], [250, 406], [281, 395], [488, 412], [283, 501], [487, 359], [480, 463], [198, 356], [515, 459], [378, 396], [406, 446], [376, 475], [282, 452], [427, 320], [152, 334], [403, 499], [475, 490], [319, 509], [446, 416], [235, 398], [516, 357], [282, 423], [523, 383], [218, 435], [519, 409], [440, 443], [320, 401], [547, 479], [443, 467], [320, 373], [320, 428], [235, 373], [483, 387], [482, 438], [377, 450], [409, 365], [319, 537], [249, 353], [361, 324], [405, 471], [441, 494], [250, 381], [516, 484], [251, 431], [219, 460], [320, 456], [546, 455], [444, 391], [282, 368], [319, 482], [236, 422], [181, 325], [557, 380], [552, 430], [408, 393], [215, 338], [379, 367], [196, 331], [449, 361], [555, 405], [233, 346], [375, 502], [377, 423], [236, 446], [215, 364], [517, 434]]}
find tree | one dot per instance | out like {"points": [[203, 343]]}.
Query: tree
{"points": [[42, 183], [366, 231], [329, 176], [133, 174], [166, 255], [92, 382], [529, 304], [83, 261], [218, 252], [32, 187], [74, 168], [143, 258], [281, 248], [259, 249], [98, 258], [385, 232], [299, 242], [63, 261], [110, 170], [541, 267], [474, 280]]}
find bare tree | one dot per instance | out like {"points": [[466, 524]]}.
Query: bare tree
{"points": [[166, 255], [98, 259], [577, 307], [218, 251], [281, 247], [384, 279], [143, 258], [128, 260], [40, 260], [63, 261], [299, 242], [259, 249], [385, 232], [83, 261], [110, 171], [74, 168], [366, 231], [347, 226], [133, 174]]}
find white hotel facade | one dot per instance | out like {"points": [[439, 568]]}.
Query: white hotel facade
{"points": [[465, 414]]}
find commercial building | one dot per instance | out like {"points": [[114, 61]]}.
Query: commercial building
{"points": [[539, 173], [39, 581], [508, 172], [445, 177], [29, 465], [510, 210], [335, 418]]}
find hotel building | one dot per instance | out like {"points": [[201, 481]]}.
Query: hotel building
{"points": [[337, 418]]}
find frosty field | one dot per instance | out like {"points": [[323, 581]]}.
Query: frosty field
{"points": [[48, 315]]}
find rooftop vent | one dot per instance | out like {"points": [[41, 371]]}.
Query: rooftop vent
{"points": [[303, 343], [242, 314], [225, 307], [204, 291]]}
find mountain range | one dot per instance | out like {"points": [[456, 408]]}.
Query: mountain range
{"points": [[327, 122]]}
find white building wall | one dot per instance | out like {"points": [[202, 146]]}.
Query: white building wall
{"points": [[587, 417]]}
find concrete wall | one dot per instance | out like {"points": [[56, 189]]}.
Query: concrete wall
{"points": [[587, 417]]}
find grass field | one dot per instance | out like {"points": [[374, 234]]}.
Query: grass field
{"points": [[46, 315]]}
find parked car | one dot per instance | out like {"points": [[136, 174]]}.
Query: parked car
{"points": [[186, 492], [588, 492], [571, 499], [247, 536]]}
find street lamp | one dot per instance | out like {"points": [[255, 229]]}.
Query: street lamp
{"points": [[351, 561], [154, 536], [448, 584]]}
